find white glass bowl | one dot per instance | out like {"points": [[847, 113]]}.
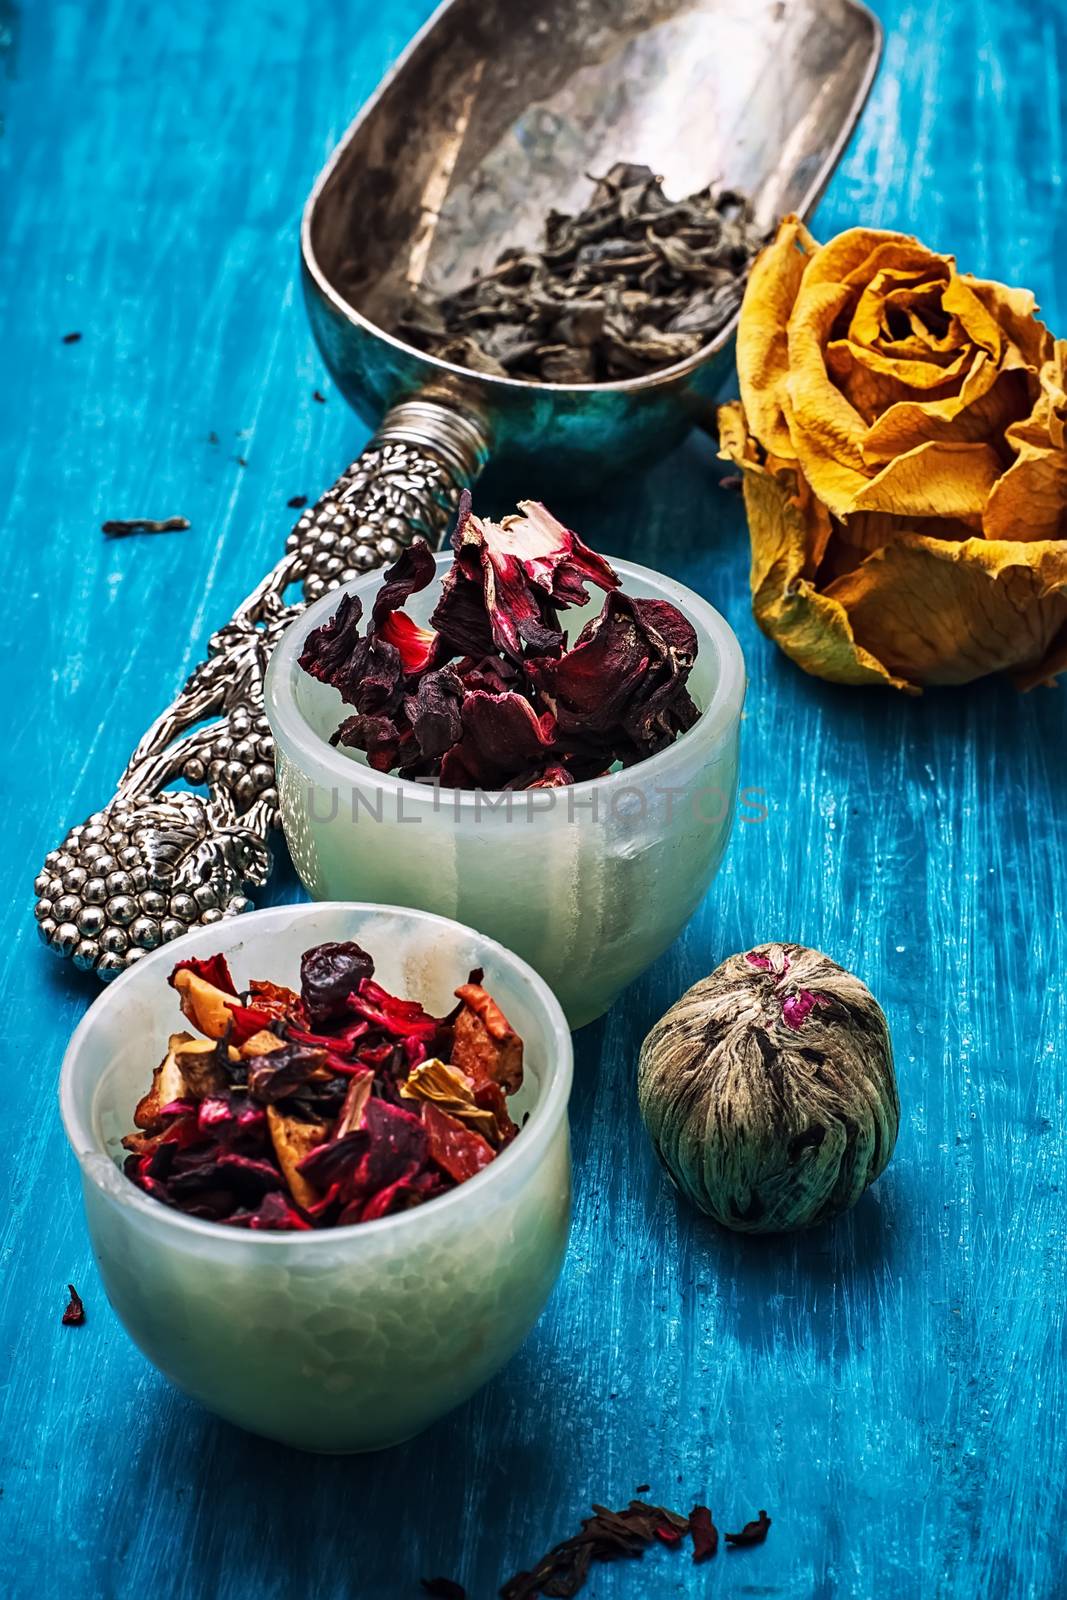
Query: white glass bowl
{"points": [[589, 884], [350, 1338]]}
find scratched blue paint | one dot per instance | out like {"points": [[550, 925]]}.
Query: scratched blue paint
{"points": [[891, 1389]]}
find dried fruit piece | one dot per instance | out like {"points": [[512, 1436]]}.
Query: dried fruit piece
{"points": [[282, 1072], [168, 1084], [206, 1006], [293, 1141], [329, 974], [458, 1151], [485, 1046], [201, 1068], [451, 1091]]}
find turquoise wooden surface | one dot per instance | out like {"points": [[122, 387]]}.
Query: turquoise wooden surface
{"points": [[892, 1388]]}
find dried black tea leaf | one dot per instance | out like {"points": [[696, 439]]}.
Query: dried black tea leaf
{"points": [[297, 502], [71, 338], [74, 1315], [633, 283], [118, 528]]}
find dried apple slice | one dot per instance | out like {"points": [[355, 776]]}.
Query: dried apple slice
{"points": [[292, 1141], [484, 1044]]}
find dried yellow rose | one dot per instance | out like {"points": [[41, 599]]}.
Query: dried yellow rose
{"points": [[902, 433]]}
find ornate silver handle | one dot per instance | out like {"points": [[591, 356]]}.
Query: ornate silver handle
{"points": [[155, 861]]}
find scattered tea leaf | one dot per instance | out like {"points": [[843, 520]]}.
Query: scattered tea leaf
{"points": [[117, 528], [751, 1533], [704, 1533], [297, 502], [321, 398], [74, 1315], [608, 1535], [71, 338]]}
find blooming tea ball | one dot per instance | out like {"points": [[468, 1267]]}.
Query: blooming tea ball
{"points": [[768, 1090]]}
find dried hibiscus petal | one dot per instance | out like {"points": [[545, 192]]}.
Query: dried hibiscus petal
{"points": [[503, 731], [704, 1533], [434, 711], [274, 1215], [413, 570], [751, 1533], [74, 1315], [525, 561], [335, 653], [403, 1017], [210, 969], [415, 646]]}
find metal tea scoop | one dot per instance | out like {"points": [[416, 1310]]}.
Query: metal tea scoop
{"points": [[494, 115]]}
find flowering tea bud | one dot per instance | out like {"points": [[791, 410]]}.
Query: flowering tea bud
{"points": [[768, 1090]]}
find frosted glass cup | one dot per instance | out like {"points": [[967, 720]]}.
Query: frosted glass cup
{"points": [[344, 1339], [589, 884]]}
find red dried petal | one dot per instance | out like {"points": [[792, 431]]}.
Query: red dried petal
{"points": [[390, 1145], [413, 570], [530, 564], [274, 1215], [406, 1192], [505, 730], [212, 969], [405, 1018], [335, 653], [752, 1532], [703, 1532], [416, 646], [434, 711], [247, 1020], [796, 1008], [74, 1315]]}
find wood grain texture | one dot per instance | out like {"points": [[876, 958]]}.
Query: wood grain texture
{"points": [[890, 1388]]}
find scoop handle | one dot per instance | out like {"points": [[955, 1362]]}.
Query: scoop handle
{"points": [[157, 861]]}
